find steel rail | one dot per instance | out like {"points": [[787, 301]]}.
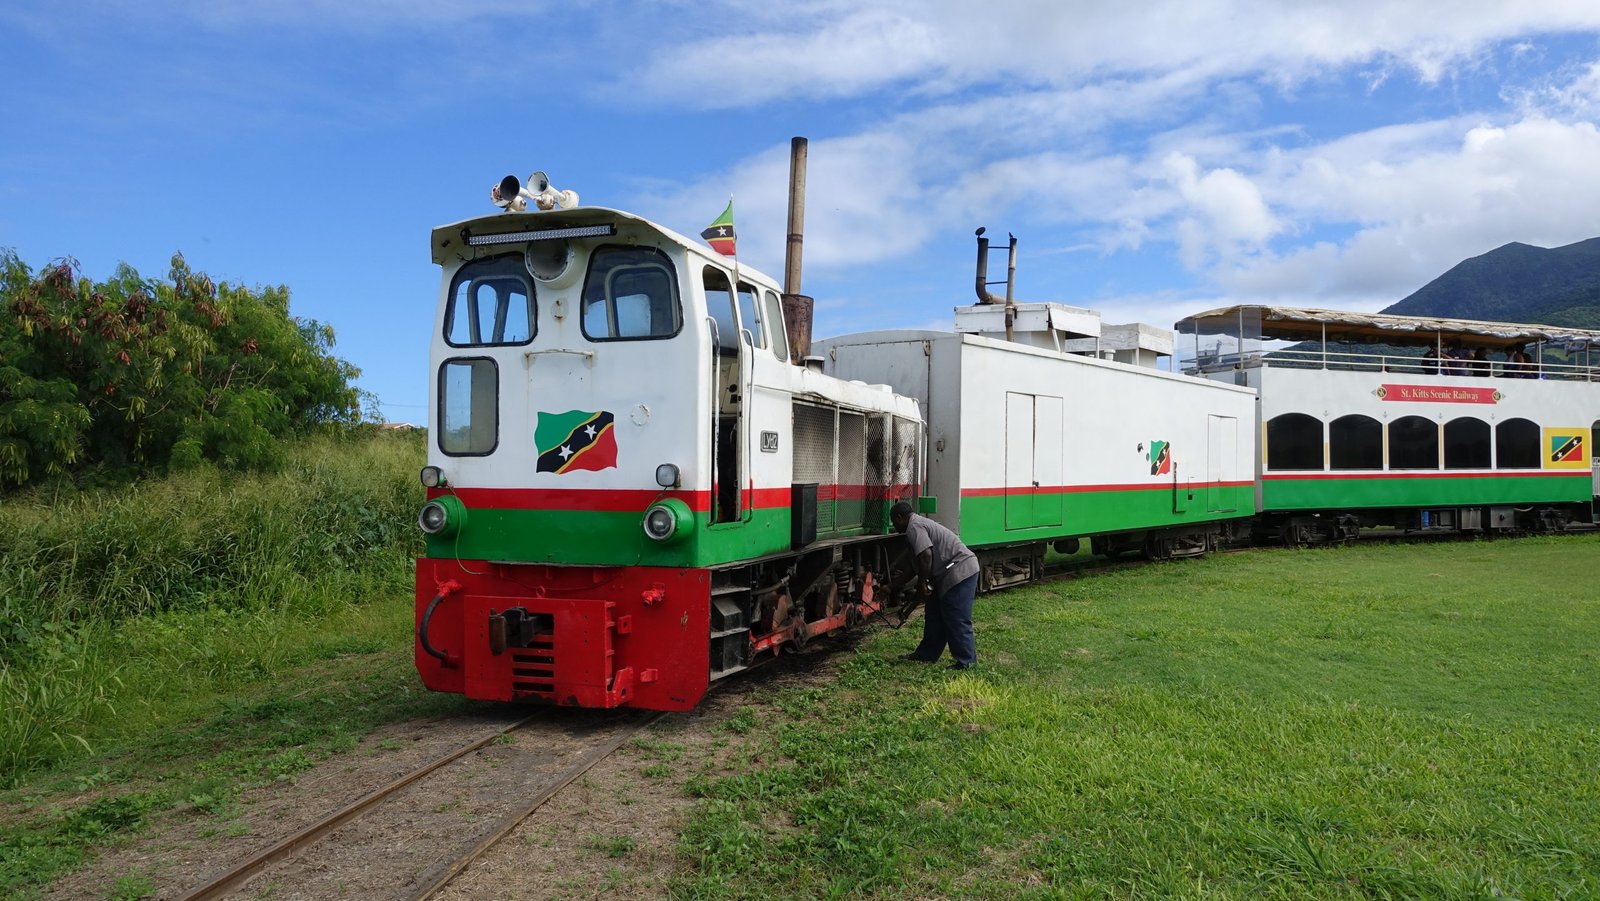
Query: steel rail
{"points": [[225, 882], [441, 876]]}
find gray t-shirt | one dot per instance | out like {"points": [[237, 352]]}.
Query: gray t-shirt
{"points": [[953, 563]]}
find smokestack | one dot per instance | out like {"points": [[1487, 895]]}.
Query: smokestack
{"points": [[796, 306], [982, 283]]}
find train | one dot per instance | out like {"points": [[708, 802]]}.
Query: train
{"points": [[643, 475]]}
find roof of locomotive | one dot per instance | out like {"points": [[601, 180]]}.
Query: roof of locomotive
{"points": [[450, 242], [1309, 324]]}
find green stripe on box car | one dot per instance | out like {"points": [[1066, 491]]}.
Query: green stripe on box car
{"points": [[983, 517]]}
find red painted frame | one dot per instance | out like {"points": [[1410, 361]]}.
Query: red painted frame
{"points": [[623, 636]]}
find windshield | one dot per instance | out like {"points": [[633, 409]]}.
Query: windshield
{"points": [[491, 303], [630, 293]]}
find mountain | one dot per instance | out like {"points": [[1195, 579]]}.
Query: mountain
{"points": [[1517, 283]]}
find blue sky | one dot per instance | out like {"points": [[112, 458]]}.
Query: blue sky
{"points": [[1153, 158]]}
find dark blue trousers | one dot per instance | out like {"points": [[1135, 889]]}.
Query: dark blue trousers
{"points": [[948, 621]]}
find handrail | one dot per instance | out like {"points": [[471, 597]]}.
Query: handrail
{"points": [[746, 391], [1365, 362], [716, 408]]}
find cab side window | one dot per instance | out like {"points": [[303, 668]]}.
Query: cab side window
{"points": [[775, 325], [469, 407], [719, 306], [750, 315]]}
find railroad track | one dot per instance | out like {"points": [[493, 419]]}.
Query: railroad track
{"points": [[435, 820]]}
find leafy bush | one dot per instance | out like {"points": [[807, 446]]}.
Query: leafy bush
{"points": [[128, 376]]}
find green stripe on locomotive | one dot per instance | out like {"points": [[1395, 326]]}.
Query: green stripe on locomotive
{"points": [[611, 538]]}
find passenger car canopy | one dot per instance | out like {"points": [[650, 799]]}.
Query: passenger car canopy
{"points": [[1258, 322]]}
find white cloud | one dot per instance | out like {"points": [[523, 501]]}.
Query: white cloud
{"points": [[944, 45], [1403, 203], [1224, 213], [865, 203], [1418, 212], [861, 51], [1577, 94]]}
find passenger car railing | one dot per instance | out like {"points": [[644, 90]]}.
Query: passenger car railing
{"points": [[1548, 368]]}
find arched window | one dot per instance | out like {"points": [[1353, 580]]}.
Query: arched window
{"points": [[1516, 444], [1413, 443], [1466, 444], [1294, 441], [1355, 442]]}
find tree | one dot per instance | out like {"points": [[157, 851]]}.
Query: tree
{"points": [[128, 376]]}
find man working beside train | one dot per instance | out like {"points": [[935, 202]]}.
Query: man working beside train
{"points": [[947, 576]]}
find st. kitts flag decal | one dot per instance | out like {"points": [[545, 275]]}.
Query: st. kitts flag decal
{"points": [[1160, 458], [1566, 449], [576, 439]]}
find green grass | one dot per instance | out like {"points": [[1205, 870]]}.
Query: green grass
{"points": [[1380, 721], [255, 734], [165, 647], [126, 610]]}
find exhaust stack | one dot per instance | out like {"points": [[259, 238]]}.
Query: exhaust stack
{"points": [[982, 283], [797, 307]]}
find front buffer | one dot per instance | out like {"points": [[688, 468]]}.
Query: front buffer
{"points": [[582, 636]]}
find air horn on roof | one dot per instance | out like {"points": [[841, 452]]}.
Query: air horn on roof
{"points": [[513, 197]]}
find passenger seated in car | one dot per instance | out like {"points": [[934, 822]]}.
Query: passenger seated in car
{"points": [[1480, 362]]}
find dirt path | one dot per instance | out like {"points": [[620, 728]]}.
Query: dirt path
{"points": [[612, 833]]}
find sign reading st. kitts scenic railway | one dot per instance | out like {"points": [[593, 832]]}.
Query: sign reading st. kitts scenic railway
{"points": [[1439, 394]]}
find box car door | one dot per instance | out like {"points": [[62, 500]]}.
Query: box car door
{"points": [[1047, 455], [1222, 444], [1033, 460], [1019, 460]]}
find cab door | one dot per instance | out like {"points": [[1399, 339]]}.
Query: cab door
{"points": [[730, 383]]}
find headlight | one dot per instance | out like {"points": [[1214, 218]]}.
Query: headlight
{"points": [[432, 477], [442, 516], [668, 520], [667, 475]]}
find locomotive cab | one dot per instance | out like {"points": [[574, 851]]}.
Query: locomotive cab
{"points": [[614, 421]]}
